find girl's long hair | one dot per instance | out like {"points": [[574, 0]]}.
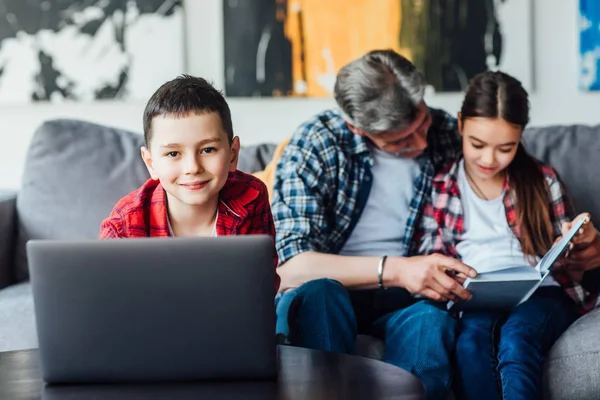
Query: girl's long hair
{"points": [[498, 95]]}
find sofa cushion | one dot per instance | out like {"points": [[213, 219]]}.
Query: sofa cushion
{"points": [[572, 151], [74, 174], [255, 158], [17, 330], [8, 202], [573, 365]]}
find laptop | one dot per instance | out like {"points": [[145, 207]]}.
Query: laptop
{"points": [[154, 309]]}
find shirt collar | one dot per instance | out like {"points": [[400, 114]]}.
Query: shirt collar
{"points": [[233, 199]]}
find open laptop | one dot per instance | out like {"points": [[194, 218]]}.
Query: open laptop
{"points": [[154, 309]]}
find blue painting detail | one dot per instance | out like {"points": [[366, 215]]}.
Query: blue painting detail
{"points": [[589, 27]]}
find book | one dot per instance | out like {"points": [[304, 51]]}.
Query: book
{"points": [[505, 288]]}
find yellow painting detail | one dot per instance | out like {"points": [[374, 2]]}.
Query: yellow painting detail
{"points": [[327, 34]]}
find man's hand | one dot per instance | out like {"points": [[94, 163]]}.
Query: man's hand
{"points": [[584, 250], [583, 259], [430, 276], [586, 234]]}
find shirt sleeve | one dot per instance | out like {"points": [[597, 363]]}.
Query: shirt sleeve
{"points": [[300, 193], [112, 227], [261, 222], [429, 234], [443, 138]]}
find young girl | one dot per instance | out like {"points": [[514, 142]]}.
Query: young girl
{"points": [[497, 206]]}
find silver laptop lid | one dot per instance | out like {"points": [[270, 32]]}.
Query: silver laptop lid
{"points": [[154, 309]]}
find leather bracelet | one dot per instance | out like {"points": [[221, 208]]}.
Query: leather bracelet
{"points": [[380, 272]]}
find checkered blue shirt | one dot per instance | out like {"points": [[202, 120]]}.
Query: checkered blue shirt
{"points": [[323, 180]]}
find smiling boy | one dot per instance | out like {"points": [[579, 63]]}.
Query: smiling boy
{"points": [[194, 188]]}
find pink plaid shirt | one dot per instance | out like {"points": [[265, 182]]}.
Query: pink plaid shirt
{"points": [[442, 223]]}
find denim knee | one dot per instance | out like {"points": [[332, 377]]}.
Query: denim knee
{"points": [[432, 314], [517, 341], [467, 344], [420, 316], [324, 287], [312, 296], [318, 315]]}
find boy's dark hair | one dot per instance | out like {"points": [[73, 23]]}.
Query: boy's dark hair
{"points": [[186, 95], [498, 95]]}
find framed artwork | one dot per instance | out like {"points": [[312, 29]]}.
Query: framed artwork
{"points": [[80, 50], [589, 45], [296, 47]]}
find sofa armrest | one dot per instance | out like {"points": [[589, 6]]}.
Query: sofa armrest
{"points": [[8, 231]]}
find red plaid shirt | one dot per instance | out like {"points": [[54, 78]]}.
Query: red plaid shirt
{"points": [[243, 210], [442, 223]]}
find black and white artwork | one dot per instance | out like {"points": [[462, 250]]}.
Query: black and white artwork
{"points": [[88, 50]]}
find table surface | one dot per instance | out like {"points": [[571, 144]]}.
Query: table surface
{"points": [[303, 374]]}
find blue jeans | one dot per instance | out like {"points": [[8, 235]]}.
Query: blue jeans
{"points": [[500, 355], [419, 335]]}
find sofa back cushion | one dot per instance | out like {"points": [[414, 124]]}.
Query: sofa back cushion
{"points": [[573, 151], [74, 174]]}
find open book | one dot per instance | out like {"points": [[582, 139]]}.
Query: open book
{"points": [[504, 289]]}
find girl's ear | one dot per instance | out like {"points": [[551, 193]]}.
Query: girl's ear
{"points": [[460, 124]]}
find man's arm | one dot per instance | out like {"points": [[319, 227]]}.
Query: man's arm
{"points": [[301, 194], [424, 275]]}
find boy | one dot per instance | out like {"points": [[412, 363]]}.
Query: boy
{"points": [[195, 188]]}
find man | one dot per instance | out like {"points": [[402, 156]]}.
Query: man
{"points": [[348, 194]]}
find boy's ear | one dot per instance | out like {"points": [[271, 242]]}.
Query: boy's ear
{"points": [[460, 124], [147, 157], [235, 152]]}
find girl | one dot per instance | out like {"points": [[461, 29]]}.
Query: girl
{"points": [[497, 206]]}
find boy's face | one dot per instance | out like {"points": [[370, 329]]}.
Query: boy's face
{"points": [[191, 156]]}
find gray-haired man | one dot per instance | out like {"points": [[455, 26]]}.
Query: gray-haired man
{"points": [[348, 194]]}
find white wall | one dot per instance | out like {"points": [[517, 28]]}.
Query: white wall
{"points": [[556, 98]]}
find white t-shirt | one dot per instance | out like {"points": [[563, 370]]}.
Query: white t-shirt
{"points": [[380, 228], [212, 234], [488, 242]]}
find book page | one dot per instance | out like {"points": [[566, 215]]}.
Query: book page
{"points": [[520, 273]]}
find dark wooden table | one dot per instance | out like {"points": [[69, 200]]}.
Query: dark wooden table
{"points": [[303, 374]]}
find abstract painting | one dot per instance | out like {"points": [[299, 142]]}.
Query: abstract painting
{"points": [[87, 50], [296, 47], [589, 25]]}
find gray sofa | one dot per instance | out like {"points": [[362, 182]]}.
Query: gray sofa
{"points": [[76, 171]]}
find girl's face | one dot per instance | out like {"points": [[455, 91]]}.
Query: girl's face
{"points": [[489, 145]]}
